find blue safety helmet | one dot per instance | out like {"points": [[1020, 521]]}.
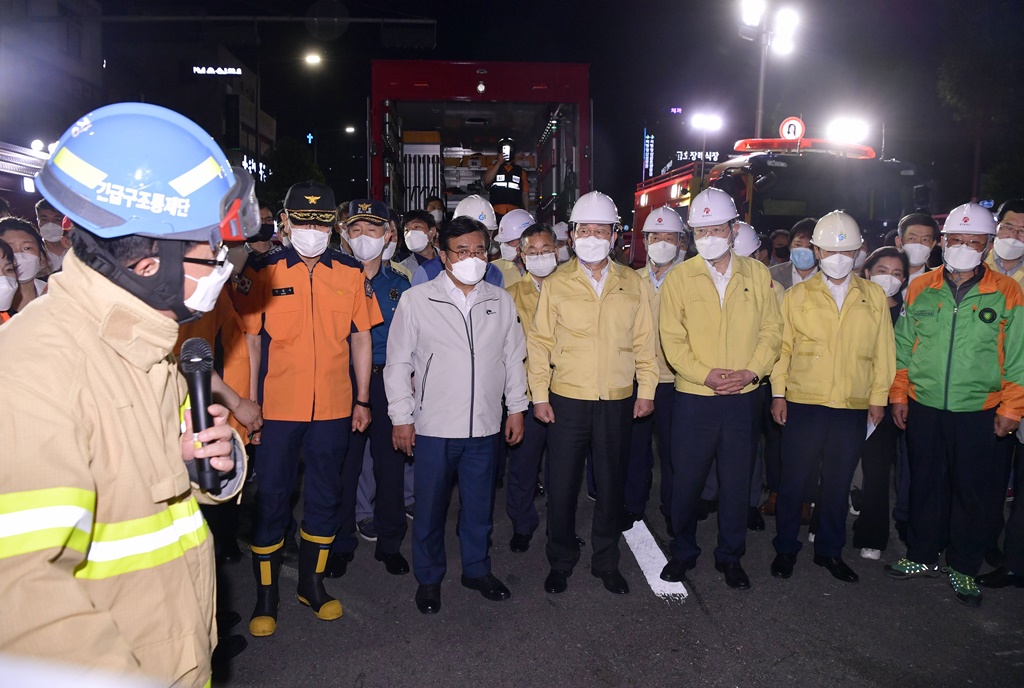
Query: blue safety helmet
{"points": [[137, 168]]}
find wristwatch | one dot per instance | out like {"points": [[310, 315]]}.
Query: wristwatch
{"points": [[755, 380]]}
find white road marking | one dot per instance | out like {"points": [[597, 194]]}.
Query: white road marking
{"points": [[652, 560]]}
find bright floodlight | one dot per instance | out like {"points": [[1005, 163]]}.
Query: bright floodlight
{"points": [[480, 88], [706, 122], [313, 59], [37, 145], [786, 21], [350, 130], [51, 147], [752, 11], [847, 130]]}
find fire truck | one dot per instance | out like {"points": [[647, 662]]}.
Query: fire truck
{"points": [[435, 127], [776, 182]]}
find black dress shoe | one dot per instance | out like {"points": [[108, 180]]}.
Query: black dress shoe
{"points": [[488, 586], [838, 568], [557, 581], [228, 647], [706, 507], [1000, 578], [735, 576], [613, 581], [782, 566], [395, 563], [580, 542], [520, 542], [337, 564], [994, 556], [755, 521], [675, 570], [428, 599], [629, 518]]}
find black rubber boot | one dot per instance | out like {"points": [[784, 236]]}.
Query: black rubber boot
{"points": [[313, 553], [266, 567]]}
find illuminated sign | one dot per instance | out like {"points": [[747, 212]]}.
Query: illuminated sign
{"points": [[686, 156], [649, 154], [675, 111], [253, 167], [217, 71]]}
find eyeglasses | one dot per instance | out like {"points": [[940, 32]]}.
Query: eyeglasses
{"points": [[600, 232], [717, 230], [977, 243], [464, 253], [1012, 230], [222, 255], [541, 253]]}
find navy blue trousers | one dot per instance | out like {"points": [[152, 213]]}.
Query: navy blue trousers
{"points": [[703, 429], [957, 484], [523, 468], [438, 461], [388, 474], [323, 444], [640, 466], [823, 445]]}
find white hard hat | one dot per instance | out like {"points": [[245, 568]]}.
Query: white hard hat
{"points": [[479, 209], [969, 218], [561, 231], [513, 224], [594, 208], [837, 231], [712, 207], [746, 240], [664, 219]]}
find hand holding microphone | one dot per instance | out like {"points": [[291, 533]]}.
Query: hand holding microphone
{"points": [[207, 438]]}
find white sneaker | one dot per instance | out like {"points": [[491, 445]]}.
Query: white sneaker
{"points": [[868, 553]]}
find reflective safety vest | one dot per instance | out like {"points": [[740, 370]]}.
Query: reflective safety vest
{"points": [[507, 187]]}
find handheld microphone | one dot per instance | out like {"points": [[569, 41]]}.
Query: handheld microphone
{"points": [[196, 365]]}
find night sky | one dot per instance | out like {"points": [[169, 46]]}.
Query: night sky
{"points": [[876, 59]]}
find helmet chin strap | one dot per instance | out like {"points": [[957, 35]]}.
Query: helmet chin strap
{"points": [[164, 291]]}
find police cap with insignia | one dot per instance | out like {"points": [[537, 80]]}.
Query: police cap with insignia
{"points": [[367, 210], [311, 202]]}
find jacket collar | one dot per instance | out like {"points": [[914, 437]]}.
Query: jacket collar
{"points": [[293, 258], [439, 289], [136, 332], [937, 278], [615, 272]]}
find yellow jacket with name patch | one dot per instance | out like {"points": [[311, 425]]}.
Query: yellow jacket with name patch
{"points": [[840, 359], [699, 332], [582, 346]]}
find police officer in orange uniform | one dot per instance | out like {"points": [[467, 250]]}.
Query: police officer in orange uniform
{"points": [[299, 305]]}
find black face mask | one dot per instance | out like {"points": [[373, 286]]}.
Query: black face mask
{"points": [[782, 253], [266, 233]]}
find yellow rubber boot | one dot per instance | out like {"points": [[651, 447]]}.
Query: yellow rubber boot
{"points": [[313, 553], [266, 566]]}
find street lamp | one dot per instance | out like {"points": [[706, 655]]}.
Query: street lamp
{"points": [[313, 59], [847, 130], [704, 123], [754, 26], [350, 130]]}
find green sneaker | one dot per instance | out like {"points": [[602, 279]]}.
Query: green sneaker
{"points": [[904, 569], [965, 588]]}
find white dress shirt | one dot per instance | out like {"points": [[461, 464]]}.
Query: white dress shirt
{"points": [[597, 284], [838, 291], [797, 279], [463, 301], [720, 279]]}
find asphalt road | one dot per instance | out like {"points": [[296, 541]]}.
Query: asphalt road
{"points": [[810, 630]]}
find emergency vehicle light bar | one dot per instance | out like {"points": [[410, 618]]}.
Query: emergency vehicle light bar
{"points": [[850, 150]]}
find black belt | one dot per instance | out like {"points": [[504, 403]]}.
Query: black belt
{"points": [[377, 369]]}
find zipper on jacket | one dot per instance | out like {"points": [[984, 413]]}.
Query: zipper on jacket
{"points": [[423, 387], [472, 356], [949, 356], [312, 313]]}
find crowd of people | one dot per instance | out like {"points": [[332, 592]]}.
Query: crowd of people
{"points": [[396, 355]]}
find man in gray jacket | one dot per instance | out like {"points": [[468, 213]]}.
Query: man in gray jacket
{"points": [[454, 349]]}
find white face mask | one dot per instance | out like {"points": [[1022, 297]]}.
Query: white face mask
{"points": [[662, 252], [860, 259], [8, 287], [27, 265], [961, 258], [389, 251], [917, 254], [51, 231], [837, 266], [1009, 249], [366, 247], [204, 298], [470, 270], [712, 247], [889, 284], [416, 240], [438, 216], [593, 250], [562, 254], [310, 243], [542, 265], [508, 253]]}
